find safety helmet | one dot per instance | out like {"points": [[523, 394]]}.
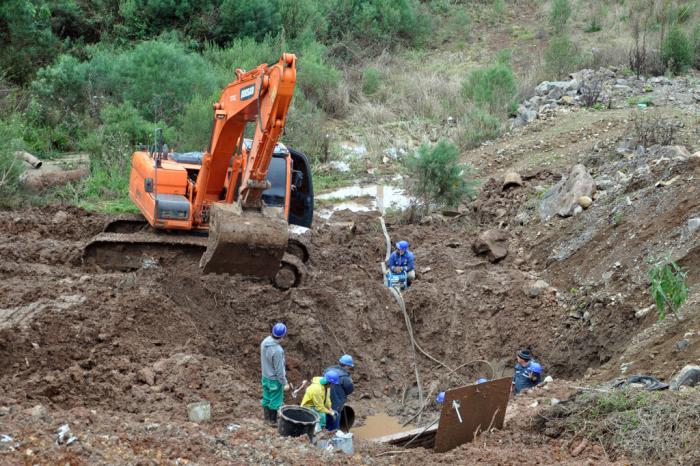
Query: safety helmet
{"points": [[481, 380], [332, 376], [535, 367], [279, 330], [323, 381], [346, 360], [440, 398], [402, 245]]}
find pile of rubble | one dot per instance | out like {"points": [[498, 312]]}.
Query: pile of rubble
{"points": [[605, 88]]}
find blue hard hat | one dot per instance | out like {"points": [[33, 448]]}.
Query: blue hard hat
{"points": [[440, 398], [346, 360], [481, 380], [535, 367], [402, 245], [332, 376], [279, 330]]}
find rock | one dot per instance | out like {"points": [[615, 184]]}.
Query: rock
{"points": [[146, 375], [199, 411], [688, 376], [579, 448], [562, 199], [682, 344], [102, 337], [693, 224], [587, 316], [528, 116], [584, 201], [59, 218], [535, 289], [555, 94], [512, 179], [4, 411], [568, 100], [493, 243], [640, 313], [37, 412], [549, 379], [673, 152], [554, 401]]}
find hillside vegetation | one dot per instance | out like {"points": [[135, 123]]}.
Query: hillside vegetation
{"points": [[99, 76]]}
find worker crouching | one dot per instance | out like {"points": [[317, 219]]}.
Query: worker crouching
{"points": [[318, 398], [528, 372], [402, 260]]}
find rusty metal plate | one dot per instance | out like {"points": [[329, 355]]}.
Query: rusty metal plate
{"points": [[482, 407]]}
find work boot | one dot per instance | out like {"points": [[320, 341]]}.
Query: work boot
{"points": [[266, 414], [273, 418]]}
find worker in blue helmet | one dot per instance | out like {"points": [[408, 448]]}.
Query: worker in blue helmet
{"points": [[481, 380], [345, 387], [440, 399], [274, 377], [528, 372], [402, 260]]}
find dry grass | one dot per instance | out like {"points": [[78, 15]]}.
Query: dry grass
{"points": [[646, 427]]}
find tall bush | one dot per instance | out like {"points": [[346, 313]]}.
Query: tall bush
{"points": [[561, 56], [677, 51], [493, 88], [559, 15], [437, 178]]}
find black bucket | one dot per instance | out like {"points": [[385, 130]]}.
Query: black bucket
{"points": [[295, 421], [347, 418]]}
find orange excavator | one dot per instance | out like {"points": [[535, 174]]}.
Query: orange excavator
{"points": [[230, 207]]}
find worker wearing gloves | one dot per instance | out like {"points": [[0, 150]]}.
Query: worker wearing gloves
{"points": [[340, 392], [402, 259], [528, 372], [274, 378], [318, 397]]}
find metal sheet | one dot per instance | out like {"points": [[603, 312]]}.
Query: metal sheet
{"points": [[481, 406]]}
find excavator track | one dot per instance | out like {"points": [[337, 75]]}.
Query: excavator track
{"points": [[128, 243]]}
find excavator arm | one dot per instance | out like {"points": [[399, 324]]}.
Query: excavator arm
{"points": [[262, 96]]}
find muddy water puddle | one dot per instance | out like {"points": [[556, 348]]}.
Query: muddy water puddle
{"points": [[379, 425], [364, 198]]}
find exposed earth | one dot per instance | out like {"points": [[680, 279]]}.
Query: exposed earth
{"points": [[118, 356]]}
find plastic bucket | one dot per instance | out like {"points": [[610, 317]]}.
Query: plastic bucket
{"points": [[295, 421], [347, 418]]}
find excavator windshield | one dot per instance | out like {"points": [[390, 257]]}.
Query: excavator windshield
{"points": [[277, 176]]}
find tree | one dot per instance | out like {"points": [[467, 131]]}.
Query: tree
{"points": [[436, 178]]}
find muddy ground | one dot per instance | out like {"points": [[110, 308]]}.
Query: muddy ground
{"points": [[118, 356]]}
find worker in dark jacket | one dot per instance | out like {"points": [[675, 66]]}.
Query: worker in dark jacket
{"points": [[402, 260], [340, 392], [528, 372]]}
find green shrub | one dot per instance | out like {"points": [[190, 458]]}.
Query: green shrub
{"points": [[316, 78], [371, 80], [249, 18], [559, 15], [436, 178], [11, 130], [677, 51], [492, 88], [477, 126], [561, 56], [26, 40], [376, 23], [669, 289], [125, 121], [696, 46], [195, 124], [306, 130], [303, 18]]}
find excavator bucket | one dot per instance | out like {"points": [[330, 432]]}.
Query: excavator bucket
{"points": [[245, 242]]}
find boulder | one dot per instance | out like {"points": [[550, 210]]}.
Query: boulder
{"points": [[534, 289], [147, 376], [584, 201], [673, 153], [562, 198], [693, 224], [688, 376], [493, 243], [512, 179]]}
